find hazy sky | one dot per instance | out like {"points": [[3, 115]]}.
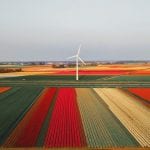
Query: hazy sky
{"points": [[53, 29]]}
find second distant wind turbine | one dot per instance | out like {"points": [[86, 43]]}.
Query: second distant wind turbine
{"points": [[77, 62]]}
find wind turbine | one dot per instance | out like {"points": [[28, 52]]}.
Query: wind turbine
{"points": [[77, 62]]}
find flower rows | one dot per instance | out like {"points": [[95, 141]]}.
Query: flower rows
{"points": [[131, 113], [141, 92], [65, 127], [4, 89], [101, 127], [27, 131], [94, 72]]}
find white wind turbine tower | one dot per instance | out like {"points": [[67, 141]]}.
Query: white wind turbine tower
{"points": [[77, 62]]}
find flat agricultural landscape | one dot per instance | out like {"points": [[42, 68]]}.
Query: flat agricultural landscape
{"points": [[44, 107], [109, 75]]}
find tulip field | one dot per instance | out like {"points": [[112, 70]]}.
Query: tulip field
{"points": [[65, 127], [4, 89], [26, 133], [68, 117], [141, 92], [130, 110]]}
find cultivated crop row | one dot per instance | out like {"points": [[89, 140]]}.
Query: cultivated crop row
{"points": [[27, 131], [144, 93], [133, 114], [102, 129], [13, 105], [68, 117], [65, 127], [93, 72], [132, 78], [4, 89]]}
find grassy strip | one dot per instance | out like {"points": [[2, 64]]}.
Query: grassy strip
{"points": [[52, 78], [14, 106], [81, 77], [131, 78], [79, 84]]}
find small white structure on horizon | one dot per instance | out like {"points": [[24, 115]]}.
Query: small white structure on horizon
{"points": [[77, 62]]}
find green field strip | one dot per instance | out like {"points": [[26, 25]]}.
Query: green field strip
{"points": [[112, 127], [11, 92], [43, 131], [13, 107], [84, 81], [102, 128], [85, 84], [136, 78], [53, 78], [131, 78]]}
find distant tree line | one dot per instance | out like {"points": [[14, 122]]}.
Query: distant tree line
{"points": [[7, 70]]}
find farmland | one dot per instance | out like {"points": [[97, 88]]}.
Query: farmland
{"points": [[84, 81], [72, 117], [4, 89], [131, 112], [141, 92], [109, 75], [44, 107], [19, 100], [101, 127]]}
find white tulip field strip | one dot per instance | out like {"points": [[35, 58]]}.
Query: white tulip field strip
{"points": [[102, 129], [133, 114]]}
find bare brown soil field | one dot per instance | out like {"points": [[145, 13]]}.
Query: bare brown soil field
{"points": [[130, 111]]}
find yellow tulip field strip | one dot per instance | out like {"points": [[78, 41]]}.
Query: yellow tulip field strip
{"points": [[133, 114], [102, 129]]}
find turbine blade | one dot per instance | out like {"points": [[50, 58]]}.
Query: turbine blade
{"points": [[81, 60], [72, 57], [79, 50]]}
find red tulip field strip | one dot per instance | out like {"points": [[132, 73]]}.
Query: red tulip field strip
{"points": [[14, 104], [4, 89], [93, 72], [43, 130], [33, 121], [144, 93], [65, 127], [142, 72], [102, 129], [13, 137]]}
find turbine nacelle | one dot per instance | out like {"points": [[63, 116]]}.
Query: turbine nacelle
{"points": [[77, 57]]}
